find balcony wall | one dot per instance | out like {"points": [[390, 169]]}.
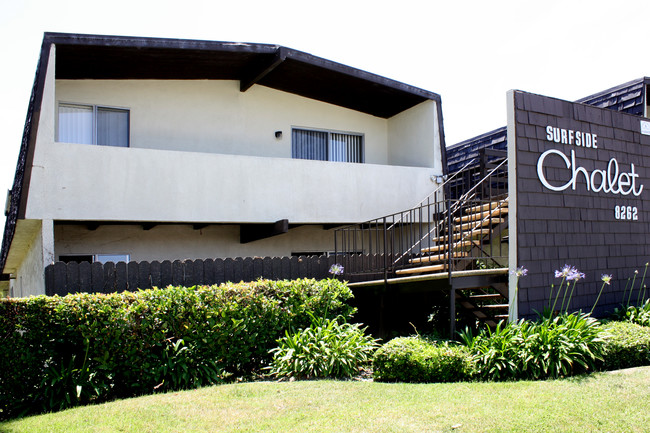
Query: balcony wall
{"points": [[84, 182]]}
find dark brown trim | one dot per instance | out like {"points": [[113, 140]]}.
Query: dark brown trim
{"points": [[277, 67], [255, 232], [441, 138], [20, 189], [33, 118], [257, 73]]}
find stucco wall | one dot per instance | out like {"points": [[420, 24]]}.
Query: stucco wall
{"points": [[181, 241], [214, 116], [202, 151], [82, 182], [413, 137], [30, 275]]}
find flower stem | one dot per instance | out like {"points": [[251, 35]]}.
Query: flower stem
{"points": [[570, 295], [629, 298], [557, 295], [625, 291], [638, 297], [597, 298]]}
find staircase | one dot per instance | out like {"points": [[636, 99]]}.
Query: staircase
{"points": [[461, 240], [472, 234], [486, 304], [476, 226]]}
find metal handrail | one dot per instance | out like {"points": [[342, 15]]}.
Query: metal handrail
{"points": [[455, 205], [441, 186], [391, 238]]}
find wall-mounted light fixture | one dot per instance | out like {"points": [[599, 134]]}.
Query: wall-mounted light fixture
{"points": [[278, 134], [438, 178]]}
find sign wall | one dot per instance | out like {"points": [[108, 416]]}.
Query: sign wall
{"points": [[581, 197]]}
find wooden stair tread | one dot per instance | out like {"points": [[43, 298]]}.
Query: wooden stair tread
{"points": [[439, 257], [488, 206], [464, 235], [472, 225], [442, 247], [494, 306], [486, 296], [420, 269], [481, 215]]}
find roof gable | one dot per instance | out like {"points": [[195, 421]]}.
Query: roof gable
{"points": [[277, 67]]}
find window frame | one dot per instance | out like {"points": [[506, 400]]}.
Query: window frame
{"points": [[330, 132], [95, 108]]}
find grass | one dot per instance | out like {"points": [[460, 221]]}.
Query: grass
{"points": [[604, 402]]}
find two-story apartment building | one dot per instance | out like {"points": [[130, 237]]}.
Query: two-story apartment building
{"points": [[161, 149]]}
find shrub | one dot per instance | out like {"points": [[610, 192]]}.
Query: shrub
{"points": [[639, 315], [626, 345], [553, 347], [415, 359], [327, 348], [496, 353], [57, 352]]}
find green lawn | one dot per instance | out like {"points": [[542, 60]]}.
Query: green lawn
{"points": [[604, 402]]}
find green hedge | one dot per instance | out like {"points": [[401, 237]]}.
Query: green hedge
{"points": [[626, 345], [414, 359], [57, 352]]}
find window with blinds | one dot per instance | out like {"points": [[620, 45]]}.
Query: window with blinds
{"points": [[91, 124], [326, 145]]}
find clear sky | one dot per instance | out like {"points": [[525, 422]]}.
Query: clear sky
{"points": [[470, 52]]}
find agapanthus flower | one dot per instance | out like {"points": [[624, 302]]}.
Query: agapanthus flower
{"points": [[575, 275], [606, 279], [565, 271], [336, 269], [520, 272]]}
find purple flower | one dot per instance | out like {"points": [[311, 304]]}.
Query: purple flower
{"points": [[336, 269], [575, 275], [565, 271], [520, 272]]}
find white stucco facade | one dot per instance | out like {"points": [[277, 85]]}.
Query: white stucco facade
{"points": [[93, 183], [203, 153], [213, 116], [38, 245]]}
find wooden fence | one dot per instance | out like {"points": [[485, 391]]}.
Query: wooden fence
{"points": [[63, 278]]}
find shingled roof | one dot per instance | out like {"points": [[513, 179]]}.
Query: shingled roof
{"points": [[627, 97]]}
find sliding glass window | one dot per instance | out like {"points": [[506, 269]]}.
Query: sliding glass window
{"points": [[91, 124], [326, 145]]}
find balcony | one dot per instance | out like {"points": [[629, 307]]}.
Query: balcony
{"points": [[98, 183]]}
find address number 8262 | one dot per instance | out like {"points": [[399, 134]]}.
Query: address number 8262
{"points": [[628, 213]]}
